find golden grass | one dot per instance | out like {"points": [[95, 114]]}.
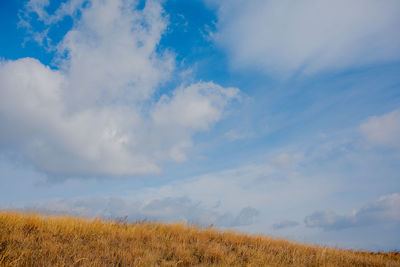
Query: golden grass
{"points": [[37, 240]]}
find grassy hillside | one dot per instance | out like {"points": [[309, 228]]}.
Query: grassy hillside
{"points": [[31, 239]]}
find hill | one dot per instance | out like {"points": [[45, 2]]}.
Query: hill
{"points": [[33, 239]]}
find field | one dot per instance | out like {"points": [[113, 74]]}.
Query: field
{"points": [[38, 240]]}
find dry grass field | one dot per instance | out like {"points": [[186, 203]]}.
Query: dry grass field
{"points": [[37, 240]]}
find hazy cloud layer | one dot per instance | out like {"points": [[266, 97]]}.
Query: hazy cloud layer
{"points": [[384, 211], [288, 183], [309, 36], [165, 209], [285, 224], [96, 114]]}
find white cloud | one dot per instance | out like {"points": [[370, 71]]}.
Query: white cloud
{"points": [[311, 36], [96, 114], [194, 107], [384, 211], [189, 109], [383, 130]]}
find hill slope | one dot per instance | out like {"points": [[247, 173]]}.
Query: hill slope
{"points": [[31, 239]]}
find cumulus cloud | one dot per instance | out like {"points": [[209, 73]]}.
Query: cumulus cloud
{"points": [[384, 211], [165, 209], [309, 36], [383, 130], [97, 113]]}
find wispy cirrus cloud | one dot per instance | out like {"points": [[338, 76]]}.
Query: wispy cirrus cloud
{"points": [[308, 36]]}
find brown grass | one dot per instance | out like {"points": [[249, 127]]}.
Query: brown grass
{"points": [[37, 240]]}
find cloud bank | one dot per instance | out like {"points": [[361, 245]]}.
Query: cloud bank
{"points": [[308, 36], [384, 211], [98, 112], [272, 196], [166, 209]]}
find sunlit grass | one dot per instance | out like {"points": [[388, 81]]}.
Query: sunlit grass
{"points": [[33, 239]]}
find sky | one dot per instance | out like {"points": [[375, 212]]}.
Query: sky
{"points": [[267, 117]]}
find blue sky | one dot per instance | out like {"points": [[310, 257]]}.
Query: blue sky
{"points": [[267, 117]]}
